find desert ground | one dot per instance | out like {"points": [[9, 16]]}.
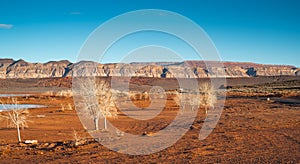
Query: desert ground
{"points": [[260, 123]]}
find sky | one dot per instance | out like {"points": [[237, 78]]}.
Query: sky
{"points": [[261, 31]]}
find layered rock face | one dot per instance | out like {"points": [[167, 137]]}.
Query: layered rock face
{"points": [[23, 69], [187, 69], [4, 63]]}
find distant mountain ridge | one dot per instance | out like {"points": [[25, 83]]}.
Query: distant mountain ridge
{"points": [[10, 68]]}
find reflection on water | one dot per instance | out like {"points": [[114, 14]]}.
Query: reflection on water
{"points": [[18, 106], [13, 95]]}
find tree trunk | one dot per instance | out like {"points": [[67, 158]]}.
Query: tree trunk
{"points": [[96, 120], [105, 123], [19, 134]]}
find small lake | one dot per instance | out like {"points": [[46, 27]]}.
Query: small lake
{"points": [[13, 95], [5, 107], [286, 100]]}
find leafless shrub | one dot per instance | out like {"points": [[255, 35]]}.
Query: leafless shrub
{"points": [[78, 140], [186, 99], [64, 93], [67, 106], [120, 94], [49, 93], [119, 133], [178, 97], [75, 135], [207, 96], [157, 93], [192, 99], [62, 108], [138, 96]]}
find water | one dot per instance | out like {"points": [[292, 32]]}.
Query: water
{"points": [[5, 107], [13, 95], [286, 100]]}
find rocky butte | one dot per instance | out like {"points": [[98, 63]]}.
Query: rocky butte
{"points": [[10, 68]]}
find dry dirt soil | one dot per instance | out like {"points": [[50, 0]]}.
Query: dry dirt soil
{"points": [[250, 130]]}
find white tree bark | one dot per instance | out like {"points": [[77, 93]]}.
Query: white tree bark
{"points": [[19, 134], [105, 123], [96, 122]]}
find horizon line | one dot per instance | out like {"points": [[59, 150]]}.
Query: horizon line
{"points": [[133, 62]]}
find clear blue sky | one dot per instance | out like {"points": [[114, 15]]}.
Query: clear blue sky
{"points": [[262, 31]]}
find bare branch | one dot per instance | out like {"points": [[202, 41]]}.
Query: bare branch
{"points": [[17, 116]]}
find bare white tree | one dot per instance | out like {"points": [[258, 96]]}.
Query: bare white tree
{"points": [[208, 96], [89, 100], [17, 116], [106, 101], [97, 100]]}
